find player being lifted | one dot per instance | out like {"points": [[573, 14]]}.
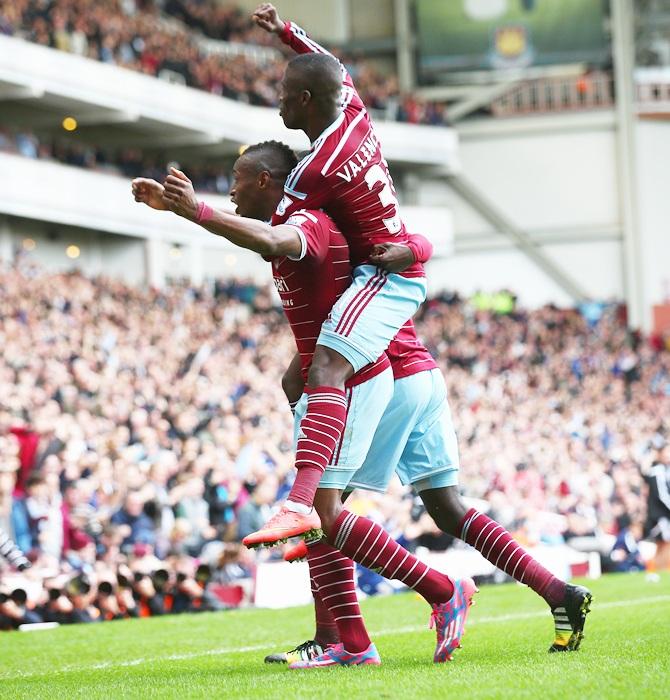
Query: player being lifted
{"points": [[416, 436], [311, 269], [346, 175]]}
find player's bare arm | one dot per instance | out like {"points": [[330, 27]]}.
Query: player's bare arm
{"points": [[392, 257], [292, 382], [270, 241], [397, 257]]}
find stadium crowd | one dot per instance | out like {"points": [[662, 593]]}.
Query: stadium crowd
{"points": [[143, 433], [127, 162], [165, 38]]}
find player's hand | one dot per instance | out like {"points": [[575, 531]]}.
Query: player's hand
{"points": [[392, 257], [266, 17], [179, 196], [148, 192]]}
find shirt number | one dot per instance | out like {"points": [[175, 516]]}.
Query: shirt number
{"points": [[386, 196]]}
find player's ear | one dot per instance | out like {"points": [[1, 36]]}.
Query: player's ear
{"points": [[305, 97], [264, 179]]}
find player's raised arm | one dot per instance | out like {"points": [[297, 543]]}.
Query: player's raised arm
{"points": [[177, 195], [292, 35]]}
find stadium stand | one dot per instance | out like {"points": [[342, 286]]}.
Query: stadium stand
{"points": [[125, 162], [135, 458], [169, 43]]}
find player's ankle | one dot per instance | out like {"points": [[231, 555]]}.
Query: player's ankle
{"points": [[296, 507], [325, 637]]}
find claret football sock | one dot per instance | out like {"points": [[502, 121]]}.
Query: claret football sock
{"points": [[326, 627], [333, 575], [370, 545], [502, 550], [320, 430]]}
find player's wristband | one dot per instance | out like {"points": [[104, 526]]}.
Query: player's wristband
{"points": [[285, 34], [292, 405], [204, 213]]}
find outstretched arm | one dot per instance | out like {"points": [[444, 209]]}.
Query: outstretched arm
{"points": [[177, 195]]}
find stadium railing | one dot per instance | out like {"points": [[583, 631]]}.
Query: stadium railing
{"points": [[544, 95]]}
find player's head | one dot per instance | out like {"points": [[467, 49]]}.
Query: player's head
{"points": [[311, 87], [258, 178]]}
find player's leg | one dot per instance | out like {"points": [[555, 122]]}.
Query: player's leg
{"points": [[430, 464], [350, 537], [365, 405], [368, 544], [569, 603], [333, 574], [661, 560], [357, 332], [334, 588], [325, 628], [378, 467]]}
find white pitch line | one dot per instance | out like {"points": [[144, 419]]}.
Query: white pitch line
{"points": [[104, 665], [531, 615]]}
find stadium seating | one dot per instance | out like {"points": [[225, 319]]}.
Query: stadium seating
{"points": [[127, 438]]}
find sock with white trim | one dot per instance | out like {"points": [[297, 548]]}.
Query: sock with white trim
{"points": [[332, 576], [494, 543], [369, 544], [297, 507], [320, 431]]}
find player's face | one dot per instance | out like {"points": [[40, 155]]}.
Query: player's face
{"points": [[290, 101], [242, 192], [247, 194]]}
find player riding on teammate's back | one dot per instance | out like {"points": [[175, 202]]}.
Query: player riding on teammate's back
{"points": [[346, 175]]}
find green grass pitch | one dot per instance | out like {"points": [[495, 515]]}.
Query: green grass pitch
{"points": [[625, 653]]}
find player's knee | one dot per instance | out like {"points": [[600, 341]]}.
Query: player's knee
{"points": [[328, 368], [446, 507]]}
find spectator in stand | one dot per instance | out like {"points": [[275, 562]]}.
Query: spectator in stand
{"points": [[625, 555], [167, 40], [257, 509], [135, 523], [126, 162]]}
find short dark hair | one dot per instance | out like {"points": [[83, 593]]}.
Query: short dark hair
{"points": [[35, 479], [320, 73], [274, 157]]}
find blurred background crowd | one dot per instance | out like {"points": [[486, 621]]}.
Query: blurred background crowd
{"points": [[143, 433], [127, 162], [183, 41]]}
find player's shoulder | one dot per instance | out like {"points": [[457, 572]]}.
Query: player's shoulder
{"points": [[307, 217], [318, 221], [306, 176], [337, 141]]}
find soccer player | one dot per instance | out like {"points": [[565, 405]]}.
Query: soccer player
{"points": [[346, 175], [657, 526], [416, 438], [311, 268]]}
